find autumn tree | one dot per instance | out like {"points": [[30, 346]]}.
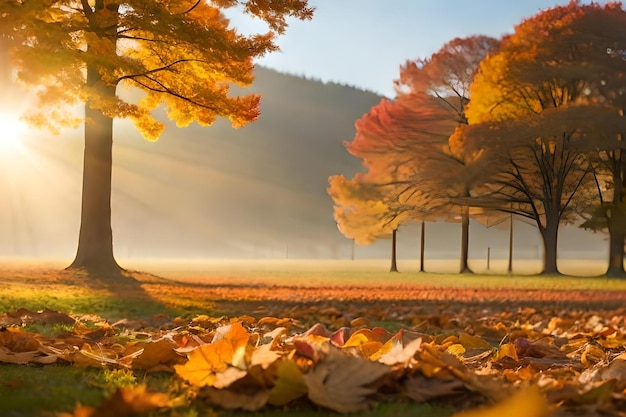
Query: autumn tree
{"points": [[362, 214], [404, 143], [180, 53], [535, 109], [603, 32]]}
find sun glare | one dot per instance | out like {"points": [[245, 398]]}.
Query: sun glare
{"points": [[12, 130]]}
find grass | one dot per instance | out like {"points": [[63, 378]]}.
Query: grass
{"points": [[26, 390]]}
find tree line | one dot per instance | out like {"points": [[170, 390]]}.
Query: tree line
{"points": [[531, 124]]}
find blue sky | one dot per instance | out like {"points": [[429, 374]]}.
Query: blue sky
{"points": [[364, 42]]}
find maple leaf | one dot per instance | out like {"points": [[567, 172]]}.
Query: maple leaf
{"points": [[339, 381], [207, 360]]}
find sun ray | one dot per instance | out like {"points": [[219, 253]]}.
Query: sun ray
{"points": [[12, 130]]}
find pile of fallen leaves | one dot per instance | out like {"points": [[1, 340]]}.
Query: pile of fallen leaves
{"points": [[562, 366]]}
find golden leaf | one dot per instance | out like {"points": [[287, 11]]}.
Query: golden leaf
{"points": [[289, 384], [525, 403]]}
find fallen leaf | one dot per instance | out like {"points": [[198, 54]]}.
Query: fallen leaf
{"points": [[339, 381], [526, 403], [155, 355], [289, 384], [208, 360], [128, 401]]}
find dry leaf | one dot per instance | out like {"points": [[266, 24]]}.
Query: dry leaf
{"points": [[129, 401], [339, 381], [289, 384], [525, 403], [208, 360]]}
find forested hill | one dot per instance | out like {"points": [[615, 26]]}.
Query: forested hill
{"points": [[204, 192]]}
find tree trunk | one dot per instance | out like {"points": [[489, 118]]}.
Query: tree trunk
{"points": [[510, 267], [465, 221], [422, 245], [95, 241], [549, 236], [616, 220], [394, 266], [616, 253]]}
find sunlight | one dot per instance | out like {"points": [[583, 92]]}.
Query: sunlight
{"points": [[12, 129]]}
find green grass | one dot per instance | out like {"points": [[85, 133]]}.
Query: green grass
{"points": [[31, 391], [28, 390], [376, 272]]}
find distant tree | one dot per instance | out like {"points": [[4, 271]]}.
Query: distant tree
{"points": [[404, 142], [361, 214], [536, 110], [180, 53]]}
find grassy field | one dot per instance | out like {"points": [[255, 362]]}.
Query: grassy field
{"points": [[582, 274], [306, 290]]}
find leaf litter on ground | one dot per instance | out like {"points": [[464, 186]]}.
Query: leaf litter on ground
{"points": [[510, 363]]}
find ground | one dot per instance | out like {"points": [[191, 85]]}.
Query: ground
{"points": [[479, 333]]}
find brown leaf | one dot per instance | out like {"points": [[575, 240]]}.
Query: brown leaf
{"points": [[46, 317], [421, 389], [158, 355], [16, 340], [237, 399], [339, 381]]}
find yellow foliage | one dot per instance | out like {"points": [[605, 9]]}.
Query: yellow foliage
{"points": [[182, 54]]}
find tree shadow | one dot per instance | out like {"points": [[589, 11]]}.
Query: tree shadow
{"points": [[123, 292]]}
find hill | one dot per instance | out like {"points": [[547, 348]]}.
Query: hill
{"points": [[259, 191]]}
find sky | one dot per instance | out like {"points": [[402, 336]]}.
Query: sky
{"points": [[362, 43]]}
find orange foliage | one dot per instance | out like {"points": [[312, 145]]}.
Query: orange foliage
{"points": [[412, 171]]}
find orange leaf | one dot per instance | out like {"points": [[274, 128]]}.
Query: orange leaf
{"points": [[207, 360]]}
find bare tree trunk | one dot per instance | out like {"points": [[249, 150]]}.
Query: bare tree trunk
{"points": [[465, 221], [616, 220], [549, 235], [422, 245], [616, 254], [95, 241], [510, 267], [394, 266]]}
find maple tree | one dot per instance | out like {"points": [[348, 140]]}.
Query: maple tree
{"points": [[404, 146], [180, 53], [536, 111]]}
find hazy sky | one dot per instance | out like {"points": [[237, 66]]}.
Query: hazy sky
{"points": [[363, 42]]}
